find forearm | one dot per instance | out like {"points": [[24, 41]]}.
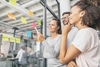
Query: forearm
{"points": [[67, 54], [70, 53], [63, 48], [17, 56]]}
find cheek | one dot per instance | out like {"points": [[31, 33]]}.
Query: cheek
{"points": [[54, 28], [48, 27], [74, 19]]}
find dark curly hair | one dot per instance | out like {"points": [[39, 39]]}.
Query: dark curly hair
{"points": [[58, 24], [92, 12]]}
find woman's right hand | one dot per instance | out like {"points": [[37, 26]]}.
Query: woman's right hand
{"points": [[72, 64], [66, 28], [40, 37]]}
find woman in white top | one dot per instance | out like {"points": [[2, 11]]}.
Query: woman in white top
{"points": [[52, 44], [85, 48]]}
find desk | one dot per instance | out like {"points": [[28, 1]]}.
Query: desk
{"points": [[14, 61], [5, 63]]}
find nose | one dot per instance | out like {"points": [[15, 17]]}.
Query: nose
{"points": [[63, 20], [49, 26], [69, 17]]}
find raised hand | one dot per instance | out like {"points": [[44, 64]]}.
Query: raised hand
{"points": [[40, 37]]}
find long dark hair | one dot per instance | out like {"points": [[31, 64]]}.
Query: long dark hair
{"points": [[92, 12], [58, 24]]}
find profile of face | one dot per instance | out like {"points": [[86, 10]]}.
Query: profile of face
{"points": [[19, 48], [76, 15], [65, 19], [53, 27]]}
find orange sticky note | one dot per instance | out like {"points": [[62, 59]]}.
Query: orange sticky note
{"points": [[11, 16], [30, 13]]}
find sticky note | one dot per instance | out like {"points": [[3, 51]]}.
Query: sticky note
{"points": [[29, 34], [39, 22], [5, 38], [13, 2], [12, 39], [11, 16], [30, 13], [17, 40], [23, 20], [34, 25]]}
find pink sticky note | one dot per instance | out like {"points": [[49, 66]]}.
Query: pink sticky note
{"points": [[34, 25]]}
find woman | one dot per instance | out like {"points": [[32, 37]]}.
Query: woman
{"points": [[85, 48], [52, 44]]}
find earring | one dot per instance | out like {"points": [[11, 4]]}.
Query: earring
{"points": [[81, 21]]}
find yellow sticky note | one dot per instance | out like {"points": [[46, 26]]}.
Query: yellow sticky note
{"points": [[13, 2], [30, 13], [12, 39], [23, 20], [17, 40], [5, 38]]}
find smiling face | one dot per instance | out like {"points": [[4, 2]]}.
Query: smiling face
{"points": [[76, 15], [65, 19], [53, 27]]}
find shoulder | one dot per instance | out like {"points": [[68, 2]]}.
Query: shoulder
{"points": [[73, 32], [59, 35], [75, 29], [19, 51], [87, 31], [48, 38]]}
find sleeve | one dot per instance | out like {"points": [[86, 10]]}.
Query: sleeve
{"points": [[51, 52], [17, 55], [82, 41]]}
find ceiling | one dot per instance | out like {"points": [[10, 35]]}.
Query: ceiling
{"points": [[6, 24]]}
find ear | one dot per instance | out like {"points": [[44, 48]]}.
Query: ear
{"points": [[82, 13], [58, 27]]}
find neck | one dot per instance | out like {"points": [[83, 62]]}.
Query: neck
{"points": [[80, 26], [53, 35]]}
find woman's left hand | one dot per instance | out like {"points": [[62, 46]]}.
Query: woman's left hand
{"points": [[40, 37], [72, 64]]}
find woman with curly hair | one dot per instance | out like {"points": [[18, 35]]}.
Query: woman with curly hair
{"points": [[85, 48]]}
